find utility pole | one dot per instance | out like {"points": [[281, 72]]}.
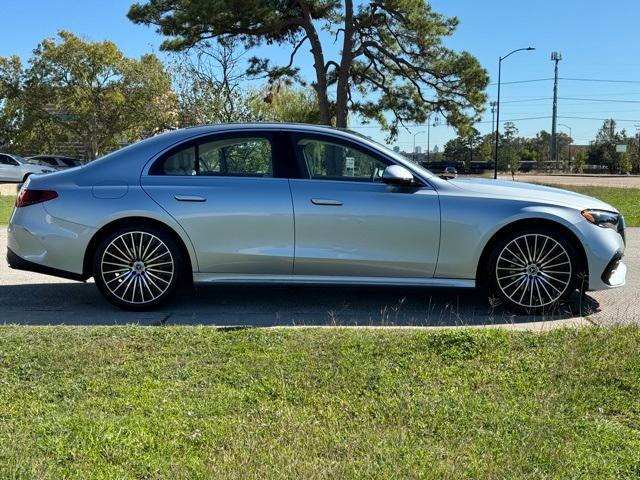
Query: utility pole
{"points": [[429, 138], [555, 57], [415, 155], [570, 142], [436, 121], [637, 165]]}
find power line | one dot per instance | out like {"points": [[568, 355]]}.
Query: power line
{"points": [[598, 80], [523, 81], [602, 119], [599, 100], [527, 100]]}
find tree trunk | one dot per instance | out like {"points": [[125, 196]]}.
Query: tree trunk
{"points": [[319, 66], [342, 94]]}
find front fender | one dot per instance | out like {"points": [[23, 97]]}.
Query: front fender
{"points": [[468, 224]]}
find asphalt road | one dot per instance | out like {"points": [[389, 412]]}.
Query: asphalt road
{"points": [[30, 298]]}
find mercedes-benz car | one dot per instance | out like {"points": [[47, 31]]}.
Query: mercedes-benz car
{"points": [[14, 168], [300, 204]]}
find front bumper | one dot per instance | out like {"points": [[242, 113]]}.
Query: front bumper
{"points": [[615, 273], [604, 248]]}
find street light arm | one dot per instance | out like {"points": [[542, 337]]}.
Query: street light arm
{"points": [[516, 50], [495, 161]]}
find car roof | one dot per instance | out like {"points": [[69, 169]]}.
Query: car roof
{"points": [[199, 130]]}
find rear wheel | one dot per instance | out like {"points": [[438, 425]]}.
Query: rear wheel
{"points": [[534, 270], [138, 268]]}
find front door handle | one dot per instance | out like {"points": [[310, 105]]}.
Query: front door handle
{"points": [[327, 202], [189, 198]]}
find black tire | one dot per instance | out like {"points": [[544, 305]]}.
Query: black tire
{"points": [[533, 270], [121, 265]]}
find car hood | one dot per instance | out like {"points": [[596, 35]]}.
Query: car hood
{"points": [[530, 191]]}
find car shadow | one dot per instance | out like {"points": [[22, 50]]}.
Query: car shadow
{"points": [[266, 306]]}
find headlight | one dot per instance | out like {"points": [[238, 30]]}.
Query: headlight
{"points": [[603, 218]]}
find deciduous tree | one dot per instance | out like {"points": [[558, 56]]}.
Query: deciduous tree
{"points": [[86, 91]]}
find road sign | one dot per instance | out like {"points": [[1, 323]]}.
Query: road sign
{"points": [[621, 148]]}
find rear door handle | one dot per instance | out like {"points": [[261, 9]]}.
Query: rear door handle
{"points": [[327, 202], [189, 198]]}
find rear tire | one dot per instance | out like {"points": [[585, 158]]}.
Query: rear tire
{"points": [[138, 268], [533, 270]]}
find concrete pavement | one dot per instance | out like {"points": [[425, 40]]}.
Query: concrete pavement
{"points": [[30, 298]]}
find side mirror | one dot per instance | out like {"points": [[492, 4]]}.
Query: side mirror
{"points": [[397, 175]]}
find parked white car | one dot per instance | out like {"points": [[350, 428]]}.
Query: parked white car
{"points": [[14, 168]]}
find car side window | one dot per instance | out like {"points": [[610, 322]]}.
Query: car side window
{"points": [[332, 161], [246, 157], [232, 157], [7, 160], [180, 163]]}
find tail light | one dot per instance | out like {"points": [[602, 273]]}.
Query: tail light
{"points": [[28, 197]]}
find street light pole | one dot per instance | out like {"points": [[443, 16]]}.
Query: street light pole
{"points": [[495, 171], [570, 141]]}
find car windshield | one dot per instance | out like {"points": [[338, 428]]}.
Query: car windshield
{"points": [[398, 156]]}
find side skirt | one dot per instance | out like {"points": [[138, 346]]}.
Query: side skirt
{"points": [[334, 280]]}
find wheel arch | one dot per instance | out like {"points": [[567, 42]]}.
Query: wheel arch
{"points": [[482, 271], [137, 221]]}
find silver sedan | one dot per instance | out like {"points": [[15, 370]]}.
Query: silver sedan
{"points": [[277, 203]]}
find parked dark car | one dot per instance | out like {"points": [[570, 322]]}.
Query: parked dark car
{"points": [[59, 162]]}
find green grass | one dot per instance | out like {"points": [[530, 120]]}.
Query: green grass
{"points": [[6, 207], [185, 403], [627, 200]]}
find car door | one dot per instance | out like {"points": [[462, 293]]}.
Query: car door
{"points": [[230, 196], [9, 171], [349, 223]]}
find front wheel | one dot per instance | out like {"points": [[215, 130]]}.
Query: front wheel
{"points": [[138, 268], [534, 270]]}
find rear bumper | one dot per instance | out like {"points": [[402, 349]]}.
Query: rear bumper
{"points": [[39, 242], [18, 263]]}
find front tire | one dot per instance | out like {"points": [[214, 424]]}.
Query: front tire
{"points": [[138, 268], [534, 270]]}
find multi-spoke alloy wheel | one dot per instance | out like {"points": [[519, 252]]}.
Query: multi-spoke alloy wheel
{"points": [[136, 269], [534, 270]]}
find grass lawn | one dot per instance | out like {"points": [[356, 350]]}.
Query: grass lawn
{"points": [[184, 403], [627, 200], [6, 207]]}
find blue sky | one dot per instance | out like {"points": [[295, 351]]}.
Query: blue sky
{"points": [[599, 40]]}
